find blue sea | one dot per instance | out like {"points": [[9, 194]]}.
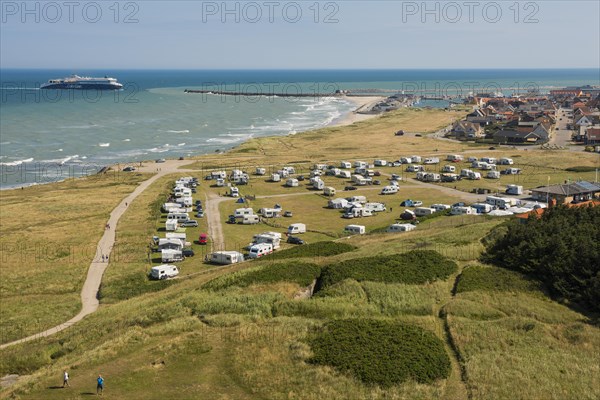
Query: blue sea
{"points": [[48, 135]]}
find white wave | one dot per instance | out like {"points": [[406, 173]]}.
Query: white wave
{"points": [[183, 131], [18, 162], [4, 143], [90, 126], [181, 144], [222, 140], [127, 140], [103, 144]]}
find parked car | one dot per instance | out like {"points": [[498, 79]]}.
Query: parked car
{"points": [[160, 160], [295, 240], [350, 188], [129, 168], [287, 214], [200, 214], [300, 177], [376, 182], [190, 223], [187, 252], [231, 219], [198, 203]]}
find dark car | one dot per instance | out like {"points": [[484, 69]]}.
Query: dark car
{"points": [[350, 188], [288, 214], [295, 240], [200, 214], [198, 203], [187, 252], [129, 169], [300, 177], [231, 219]]}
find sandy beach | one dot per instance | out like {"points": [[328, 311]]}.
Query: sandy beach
{"points": [[354, 116]]}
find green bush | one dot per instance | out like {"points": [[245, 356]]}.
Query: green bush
{"points": [[581, 168], [477, 277], [561, 249], [383, 353], [414, 267], [318, 249], [297, 272]]}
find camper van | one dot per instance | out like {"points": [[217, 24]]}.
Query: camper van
{"points": [[226, 257], [415, 168], [462, 210], [391, 189], [506, 161], [329, 191], [234, 192], [171, 255], [423, 211], [431, 160], [272, 238], [474, 176], [380, 163], [432, 177], [270, 212], [180, 217], [345, 165], [242, 212], [400, 228], [164, 271], [292, 182], [220, 182], [489, 160], [355, 229], [511, 171], [357, 212], [514, 189], [360, 164], [260, 171], [482, 208], [181, 191], [259, 250], [294, 229]]}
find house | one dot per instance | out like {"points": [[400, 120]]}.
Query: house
{"points": [[466, 130], [515, 137], [570, 192], [592, 136]]}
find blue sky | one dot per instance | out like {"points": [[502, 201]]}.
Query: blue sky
{"points": [[273, 34]]}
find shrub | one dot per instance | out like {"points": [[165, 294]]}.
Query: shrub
{"points": [[297, 272], [383, 353], [581, 168], [561, 249], [318, 249], [414, 267], [477, 277]]}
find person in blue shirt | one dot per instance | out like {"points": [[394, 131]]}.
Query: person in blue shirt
{"points": [[100, 386]]}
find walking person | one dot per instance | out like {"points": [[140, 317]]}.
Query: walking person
{"points": [[66, 379], [100, 385]]}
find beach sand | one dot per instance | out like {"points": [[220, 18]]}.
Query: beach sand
{"points": [[353, 116]]}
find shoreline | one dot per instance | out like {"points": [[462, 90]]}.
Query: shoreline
{"points": [[343, 120]]}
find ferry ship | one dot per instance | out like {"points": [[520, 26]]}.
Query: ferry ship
{"points": [[83, 83]]}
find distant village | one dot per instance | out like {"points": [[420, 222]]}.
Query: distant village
{"points": [[573, 113]]}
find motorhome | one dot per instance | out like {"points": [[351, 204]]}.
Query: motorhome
{"points": [[511, 171], [234, 192], [218, 174], [296, 228], [423, 211], [164, 271], [431, 160], [380, 163], [219, 182], [400, 228], [462, 210], [329, 191], [506, 161], [355, 229], [226, 257], [357, 212], [489, 160], [345, 165], [482, 208], [391, 189], [360, 164], [432, 177], [182, 191], [449, 168], [449, 177], [415, 168], [260, 250]]}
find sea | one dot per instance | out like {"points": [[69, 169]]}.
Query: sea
{"points": [[51, 135]]}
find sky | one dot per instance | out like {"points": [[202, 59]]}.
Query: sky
{"points": [[299, 34]]}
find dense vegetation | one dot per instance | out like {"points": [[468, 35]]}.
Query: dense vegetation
{"points": [[414, 267], [561, 249], [318, 249], [477, 277], [381, 353], [297, 272]]}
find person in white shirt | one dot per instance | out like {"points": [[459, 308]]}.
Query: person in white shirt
{"points": [[66, 379]]}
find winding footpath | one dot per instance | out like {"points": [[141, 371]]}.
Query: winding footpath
{"points": [[89, 292]]}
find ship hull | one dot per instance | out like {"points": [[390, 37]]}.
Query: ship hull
{"points": [[77, 86]]}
